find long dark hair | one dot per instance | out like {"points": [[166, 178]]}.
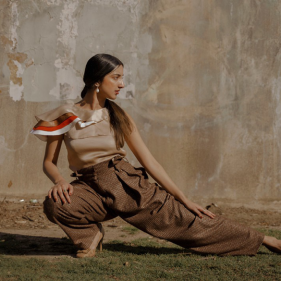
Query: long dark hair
{"points": [[96, 68]]}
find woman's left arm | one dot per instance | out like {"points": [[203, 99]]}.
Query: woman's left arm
{"points": [[157, 172]]}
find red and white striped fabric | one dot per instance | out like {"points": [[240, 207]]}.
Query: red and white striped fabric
{"points": [[58, 126], [61, 119]]}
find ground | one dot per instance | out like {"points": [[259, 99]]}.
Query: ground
{"points": [[26, 223]]}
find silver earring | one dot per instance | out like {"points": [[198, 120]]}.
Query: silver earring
{"points": [[98, 90]]}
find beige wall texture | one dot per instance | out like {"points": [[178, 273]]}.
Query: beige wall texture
{"points": [[202, 83]]}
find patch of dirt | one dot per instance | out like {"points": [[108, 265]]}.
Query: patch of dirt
{"points": [[24, 225], [255, 218], [28, 218]]}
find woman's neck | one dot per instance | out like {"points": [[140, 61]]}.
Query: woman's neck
{"points": [[92, 101]]}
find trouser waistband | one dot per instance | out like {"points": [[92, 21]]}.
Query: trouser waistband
{"points": [[99, 166]]}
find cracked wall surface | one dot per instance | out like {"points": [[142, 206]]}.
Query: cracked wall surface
{"points": [[202, 83]]}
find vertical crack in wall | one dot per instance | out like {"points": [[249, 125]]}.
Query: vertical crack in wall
{"points": [[14, 24], [67, 80], [16, 59], [16, 87]]}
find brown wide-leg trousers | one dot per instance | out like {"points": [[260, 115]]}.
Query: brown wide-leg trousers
{"points": [[116, 188]]}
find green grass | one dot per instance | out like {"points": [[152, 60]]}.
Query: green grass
{"points": [[130, 229], [143, 259]]}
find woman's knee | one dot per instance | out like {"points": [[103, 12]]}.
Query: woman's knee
{"points": [[57, 211], [50, 209]]}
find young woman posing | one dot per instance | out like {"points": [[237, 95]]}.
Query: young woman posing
{"points": [[107, 185]]}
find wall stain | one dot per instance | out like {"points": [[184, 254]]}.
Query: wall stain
{"points": [[14, 68], [6, 41]]}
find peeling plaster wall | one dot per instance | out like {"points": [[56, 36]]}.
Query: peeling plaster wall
{"points": [[202, 83]]}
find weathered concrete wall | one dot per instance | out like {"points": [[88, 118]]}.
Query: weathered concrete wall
{"points": [[202, 83]]}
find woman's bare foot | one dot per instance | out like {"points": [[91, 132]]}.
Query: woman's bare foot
{"points": [[272, 244]]}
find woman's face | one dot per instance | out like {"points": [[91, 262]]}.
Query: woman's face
{"points": [[112, 83]]}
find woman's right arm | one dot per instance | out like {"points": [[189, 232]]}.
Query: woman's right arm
{"points": [[61, 188]]}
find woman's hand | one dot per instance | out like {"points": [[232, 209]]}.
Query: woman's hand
{"points": [[62, 189], [197, 209]]}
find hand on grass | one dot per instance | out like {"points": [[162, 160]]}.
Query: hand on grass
{"points": [[198, 210], [62, 189]]}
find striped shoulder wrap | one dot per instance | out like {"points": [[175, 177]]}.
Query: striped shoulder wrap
{"points": [[60, 120]]}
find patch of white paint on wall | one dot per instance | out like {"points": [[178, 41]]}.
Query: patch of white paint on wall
{"points": [[14, 24], [16, 91], [20, 69], [68, 85]]}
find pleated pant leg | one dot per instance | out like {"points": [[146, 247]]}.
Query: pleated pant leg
{"points": [[79, 218], [127, 191]]}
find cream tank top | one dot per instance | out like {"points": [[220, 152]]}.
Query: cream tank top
{"points": [[88, 136]]}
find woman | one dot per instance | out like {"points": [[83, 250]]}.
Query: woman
{"points": [[107, 185]]}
